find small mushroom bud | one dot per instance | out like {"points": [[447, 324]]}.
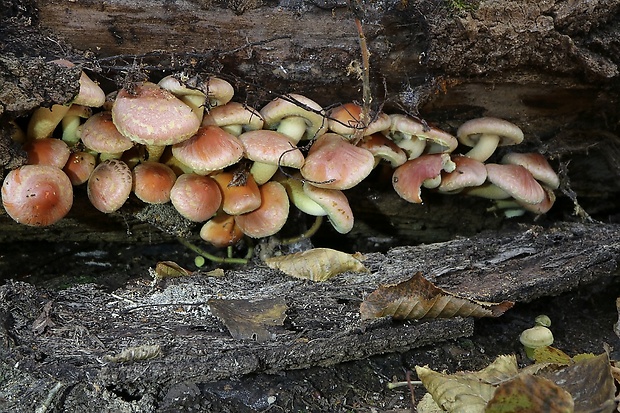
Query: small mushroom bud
{"points": [[537, 336], [109, 185]]}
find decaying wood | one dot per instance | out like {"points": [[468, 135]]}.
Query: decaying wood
{"points": [[171, 339]]}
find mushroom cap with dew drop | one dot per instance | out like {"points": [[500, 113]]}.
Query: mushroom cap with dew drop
{"points": [[196, 197], [209, 150], [37, 195], [334, 163], [485, 134], [151, 115], [109, 185], [79, 166]]}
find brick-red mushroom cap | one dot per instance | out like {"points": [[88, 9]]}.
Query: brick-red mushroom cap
{"points": [[221, 231], [485, 134], [47, 151], [383, 148], [468, 172], [269, 150], [408, 178], [334, 163], [151, 115], [99, 134], [79, 167], [109, 185], [152, 182], [346, 120], [538, 166], [510, 181], [37, 195], [287, 116], [239, 196], [270, 217], [209, 150], [196, 197]]}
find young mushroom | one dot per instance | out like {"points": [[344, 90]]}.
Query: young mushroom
{"points": [[152, 182], [467, 173], [79, 166], [37, 195], [240, 195], [109, 185], [537, 336], [196, 197], [221, 231], [485, 134], [270, 216], [47, 151], [99, 134]]}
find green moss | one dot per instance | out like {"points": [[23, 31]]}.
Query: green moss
{"points": [[461, 5]]}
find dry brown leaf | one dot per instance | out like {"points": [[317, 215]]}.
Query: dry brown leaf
{"points": [[317, 264], [419, 298], [589, 380], [170, 269], [248, 320], [529, 393]]}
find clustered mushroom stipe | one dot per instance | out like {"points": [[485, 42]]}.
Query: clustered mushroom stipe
{"points": [[216, 161]]}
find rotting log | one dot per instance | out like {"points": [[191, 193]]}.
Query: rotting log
{"points": [[60, 339]]}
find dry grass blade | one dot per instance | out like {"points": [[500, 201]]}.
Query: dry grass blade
{"points": [[419, 298]]}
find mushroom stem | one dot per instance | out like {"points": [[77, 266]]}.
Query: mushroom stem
{"points": [[294, 127], [318, 221], [211, 257], [484, 148]]}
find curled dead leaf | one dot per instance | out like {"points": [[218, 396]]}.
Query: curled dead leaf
{"points": [[170, 269], [317, 264], [418, 298]]}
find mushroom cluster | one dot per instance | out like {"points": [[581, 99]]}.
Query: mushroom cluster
{"points": [[236, 170]]}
